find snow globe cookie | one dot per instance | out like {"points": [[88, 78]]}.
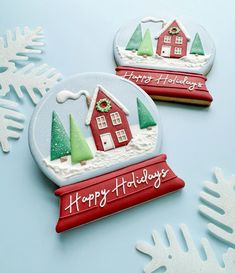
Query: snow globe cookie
{"points": [[101, 149], [168, 58]]}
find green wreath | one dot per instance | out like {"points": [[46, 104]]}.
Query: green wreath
{"points": [[105, 108], [174, 30]]}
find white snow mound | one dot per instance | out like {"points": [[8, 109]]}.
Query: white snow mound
{"points": [[131, 58], [143, 142]]}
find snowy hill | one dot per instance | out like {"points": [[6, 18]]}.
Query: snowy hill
{"points": [[191, 61], [143, 141]]}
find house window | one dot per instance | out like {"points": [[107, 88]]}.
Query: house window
{"points": [[116, 119], [167, 39], [121, 135], [179, 40], [178, 51], [101, 122]]}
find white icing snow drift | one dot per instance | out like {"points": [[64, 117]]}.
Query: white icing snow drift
{"points": [[143, 142], [131, 58]]}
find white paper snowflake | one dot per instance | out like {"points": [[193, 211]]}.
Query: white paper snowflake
{"points": [[17, 75], [174, 259], [14, 49], [10, 123], [219, 206]]}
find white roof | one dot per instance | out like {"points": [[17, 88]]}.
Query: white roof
{"points": [[93, 101], [167, 26]]}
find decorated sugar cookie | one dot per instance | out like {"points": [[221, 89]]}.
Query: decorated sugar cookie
{"points": [[168, 58], [100, 148]]}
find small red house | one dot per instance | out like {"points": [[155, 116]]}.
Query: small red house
{"points": [[172, 40], [108, 121]]}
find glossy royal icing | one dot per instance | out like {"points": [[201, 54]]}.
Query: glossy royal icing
{"points": [[175, 49], [101, 149]]}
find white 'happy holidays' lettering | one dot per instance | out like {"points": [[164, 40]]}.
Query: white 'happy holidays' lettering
{"points": [[96, 198], [136, 180], [99, 198], [175, 80], [164, 79]]}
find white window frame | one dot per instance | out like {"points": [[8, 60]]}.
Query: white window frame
{"points": [[178, 51], [116, 119], [101, 122], [167, 39], [179, 40], [121, 135]]}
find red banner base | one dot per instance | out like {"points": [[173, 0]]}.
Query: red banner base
{"points": [[165, 85], [101, 196]]}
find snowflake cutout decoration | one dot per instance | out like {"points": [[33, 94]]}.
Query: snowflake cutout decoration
{"points": [[14, 49], [17, 75], [219, 206], [173, 259], [10, 123]]}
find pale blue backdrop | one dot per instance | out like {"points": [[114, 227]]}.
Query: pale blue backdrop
{"points": [[79, 36]]}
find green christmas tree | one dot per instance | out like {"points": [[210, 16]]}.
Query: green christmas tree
{"points": [[146, 47], [80, 150], [60, 144], [135, 39], [197, 47], [145, 118]]}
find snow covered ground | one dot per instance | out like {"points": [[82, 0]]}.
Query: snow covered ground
{"points": [[143, 141], [131, 58]]}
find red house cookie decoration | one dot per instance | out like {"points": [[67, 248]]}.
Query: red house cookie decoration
{"points": [[108, 122], [160, 56], [172, 40]]}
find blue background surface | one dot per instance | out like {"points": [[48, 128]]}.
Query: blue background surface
{"points": [[79, 36]]}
